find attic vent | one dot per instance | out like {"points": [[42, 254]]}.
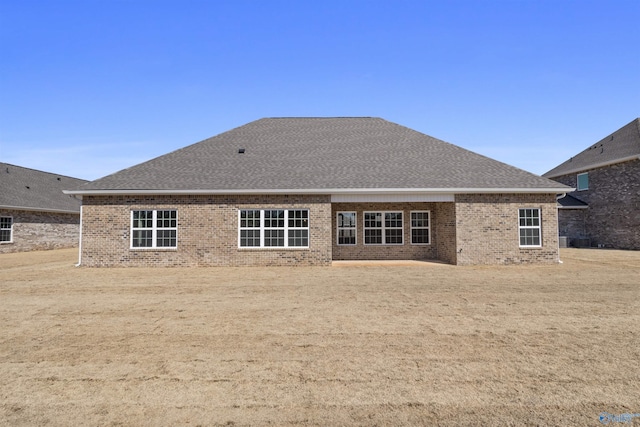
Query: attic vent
{"points": [[240, 150]]}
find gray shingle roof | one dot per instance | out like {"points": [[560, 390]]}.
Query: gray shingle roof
{"points": [[570, 202], [621, 145], [31, 189], [319, 154]]}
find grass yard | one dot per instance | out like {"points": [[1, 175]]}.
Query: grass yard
{"points": [[380, 344]]}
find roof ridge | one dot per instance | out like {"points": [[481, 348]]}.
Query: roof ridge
{"points": [[322, 117]]}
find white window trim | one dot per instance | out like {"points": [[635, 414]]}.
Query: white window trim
{"points": [[578, 181], [260, 228], [6, 242], [538, 227], [354, 228], [428, 228], [384, 229], [154, 232], [286, 229]]}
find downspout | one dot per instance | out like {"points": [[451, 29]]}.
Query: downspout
{"points": [[80, 241], [560, 196]]}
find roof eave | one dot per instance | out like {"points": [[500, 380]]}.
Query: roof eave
{"points": [[572, 207], [151, 192], [592, 166], [33, 209]]}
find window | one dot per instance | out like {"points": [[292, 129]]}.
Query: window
{"points": [[346, 226], [383, 228], [249, 228], [154, 229], [6, 227], [298, 228], [420, 228], [273, 228], [529, 227], [583, 181]]}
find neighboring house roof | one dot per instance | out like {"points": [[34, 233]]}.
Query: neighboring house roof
{"points": [[319, 155], [621, 146], [570, 202], [29, 189]]}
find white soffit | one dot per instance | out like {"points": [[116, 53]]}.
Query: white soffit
{"points": [[392, 198]]}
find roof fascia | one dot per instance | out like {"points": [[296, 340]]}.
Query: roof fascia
{"points": [[550, 190], [573, 207], [594, 166]]}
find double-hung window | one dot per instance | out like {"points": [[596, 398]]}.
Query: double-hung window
{"points": [[298, 228], [6, 228], [529, 227], [383, 228], [154, 229], [420, 228], [273, 228], [250, 228], [346, 228]]}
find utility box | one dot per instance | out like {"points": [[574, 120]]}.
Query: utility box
{"points": [[581, 243], [563, 241]]}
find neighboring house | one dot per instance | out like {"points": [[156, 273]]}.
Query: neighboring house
{"points": [[604, 211], [34, 212], [306, 191]]}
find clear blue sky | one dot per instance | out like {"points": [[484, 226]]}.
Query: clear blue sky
{"points": [[89, 87]]}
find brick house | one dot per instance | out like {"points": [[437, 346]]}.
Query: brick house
{"points": [[307, 191], [34, 212], [604, 211]]}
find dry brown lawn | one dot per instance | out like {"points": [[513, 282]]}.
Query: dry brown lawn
{"points": [[379, 344]]}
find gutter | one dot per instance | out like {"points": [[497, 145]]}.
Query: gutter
{"points": [[323, 191], [28, 208]]}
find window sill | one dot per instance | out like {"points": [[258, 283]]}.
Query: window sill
{"points": [[153, 249], [272, 248]]}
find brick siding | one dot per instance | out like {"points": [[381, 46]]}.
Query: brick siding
{"points": [[571, 223], [445, 230], [613, 217], [487, 229], [207, 231], [476, 229], [41, 230]]}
